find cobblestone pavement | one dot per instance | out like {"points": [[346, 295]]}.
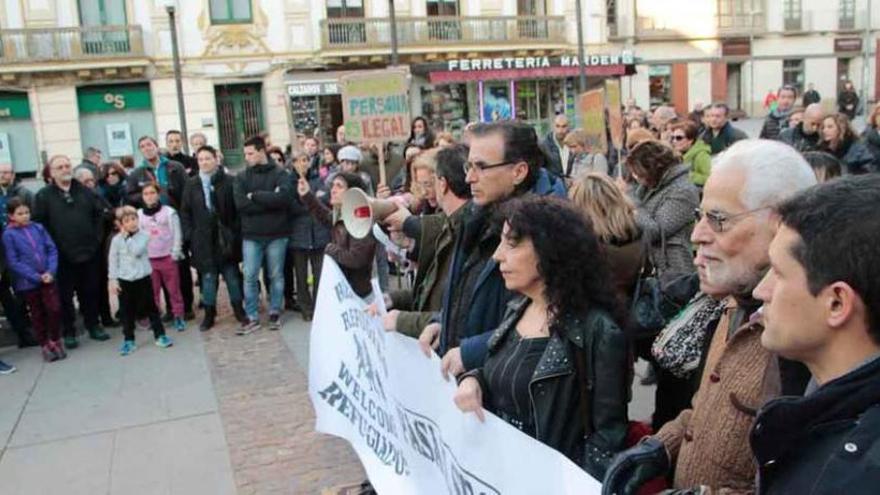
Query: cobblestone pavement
{"points": [[262, 392]]}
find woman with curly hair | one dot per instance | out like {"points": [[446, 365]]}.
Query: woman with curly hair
{"points": [[556, 337], [839, 139]]}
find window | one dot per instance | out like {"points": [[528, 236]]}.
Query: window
{"points": [[443, 7], [346, 32], [791, 11], [793, 73], [847, 14], [611, 16], [740, 14], [532, 28], [231, 11], [659, 85]]}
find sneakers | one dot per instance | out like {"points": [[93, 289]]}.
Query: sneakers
{"points": [[164, 341], [71, 342], [127, 347], [6, 369], [98, 333], [49, 354], [248, 328], [179, 324], [274, 322], [58, 349]]}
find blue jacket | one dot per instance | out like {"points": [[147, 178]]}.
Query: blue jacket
{"points": [[489, 297], [30, 252]]}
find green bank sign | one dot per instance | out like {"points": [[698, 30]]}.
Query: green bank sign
{"points": [[102, 99], [14, 106]]}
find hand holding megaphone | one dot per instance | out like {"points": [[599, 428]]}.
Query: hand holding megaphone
{"points": [[359, 212], [302, 186]]}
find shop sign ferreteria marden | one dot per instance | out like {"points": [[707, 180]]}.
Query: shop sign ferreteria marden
{"points": [[541, 62]]}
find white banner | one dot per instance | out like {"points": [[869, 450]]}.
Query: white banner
{"points": [[378, 391]]}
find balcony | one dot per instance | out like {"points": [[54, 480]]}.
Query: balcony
{"points": [[415, 33], [70, 44]]}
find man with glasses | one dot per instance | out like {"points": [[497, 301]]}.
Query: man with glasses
{"points": [[707, 444], [777, 119], [806, 136], [504, 161], [72, 214]]}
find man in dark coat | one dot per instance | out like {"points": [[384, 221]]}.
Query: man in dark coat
{"points": [[72, 214], [806, 136], [504, 161], [720, 134], [174, 147], [777, 120], [262, 195], [211, 228], [822, 309], [557, 154], [811, 96]]}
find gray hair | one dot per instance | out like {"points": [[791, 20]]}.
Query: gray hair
{"points": [[773, 170], [80, 172]]}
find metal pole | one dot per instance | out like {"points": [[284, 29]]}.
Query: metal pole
{"points": [[181, 108], [393, 18], [582, 69], [866, 47]]}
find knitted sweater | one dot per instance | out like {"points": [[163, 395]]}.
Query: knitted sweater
{"points": [[711, 440]]}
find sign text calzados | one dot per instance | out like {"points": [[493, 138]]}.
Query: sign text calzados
{"points": [[375, 106]]}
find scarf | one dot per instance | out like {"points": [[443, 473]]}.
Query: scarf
{"points": [[152, 210], [679, 346]]}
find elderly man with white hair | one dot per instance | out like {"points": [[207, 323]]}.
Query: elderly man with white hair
{"points": [[708, 443]]}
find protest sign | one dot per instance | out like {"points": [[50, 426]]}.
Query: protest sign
{"points": [[615, 114], [375, 106], [592, 109], [378, 391]]}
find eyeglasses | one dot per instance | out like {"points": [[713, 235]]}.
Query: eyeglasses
{"points": [[677, 137], [716, 220], [480, 167]]}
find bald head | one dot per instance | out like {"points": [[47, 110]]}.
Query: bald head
{"points": [[560, 127], [7, 174], [813, 116]]}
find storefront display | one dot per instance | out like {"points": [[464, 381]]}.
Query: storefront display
{"points": [[18, 144], [105, 109], [445, 107]]}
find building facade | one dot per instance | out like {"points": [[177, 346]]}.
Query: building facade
{"points": [[79, 73]]}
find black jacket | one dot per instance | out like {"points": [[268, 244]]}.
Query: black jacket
{"points": [[264, 216], [190, 164], [797, 139], [726, 137], [307, 232], [143, 175], [73, 220], [811, 96], [556, 387], [848, 103], [552, 155], [855, 156], [199, 225], [775, 123], [825, 443], [871, 140]]}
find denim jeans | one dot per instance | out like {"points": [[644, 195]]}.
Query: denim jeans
{"points": [[254, 252], [211, 281]]}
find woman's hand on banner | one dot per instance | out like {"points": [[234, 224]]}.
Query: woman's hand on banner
{"points": [[469, 397]]}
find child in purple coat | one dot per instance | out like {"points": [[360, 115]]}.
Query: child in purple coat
{"points": [[32, 259]]}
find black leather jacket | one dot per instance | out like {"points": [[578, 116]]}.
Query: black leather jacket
{"points": [[555, 387]]}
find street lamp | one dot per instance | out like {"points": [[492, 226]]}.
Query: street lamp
{"points": [[171, 8], [392, 15]]}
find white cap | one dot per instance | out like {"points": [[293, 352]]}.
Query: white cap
{"points": [[349, 153]]}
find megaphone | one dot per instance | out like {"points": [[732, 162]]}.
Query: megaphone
{"points": [[359, 211]]}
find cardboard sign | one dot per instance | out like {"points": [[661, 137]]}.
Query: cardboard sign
{"points": [[377, 390], [591, 106], [375, 106]]}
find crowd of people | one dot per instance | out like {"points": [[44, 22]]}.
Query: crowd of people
{"points": [[528, 259]]}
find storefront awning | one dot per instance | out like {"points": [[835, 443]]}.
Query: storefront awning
{"points": [[445, 77], [516, 68]]}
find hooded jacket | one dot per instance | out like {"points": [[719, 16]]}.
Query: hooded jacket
{"points": [[30, 252], [699, 158]]}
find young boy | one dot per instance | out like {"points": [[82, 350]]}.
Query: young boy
{"points": [[129, 272]]}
